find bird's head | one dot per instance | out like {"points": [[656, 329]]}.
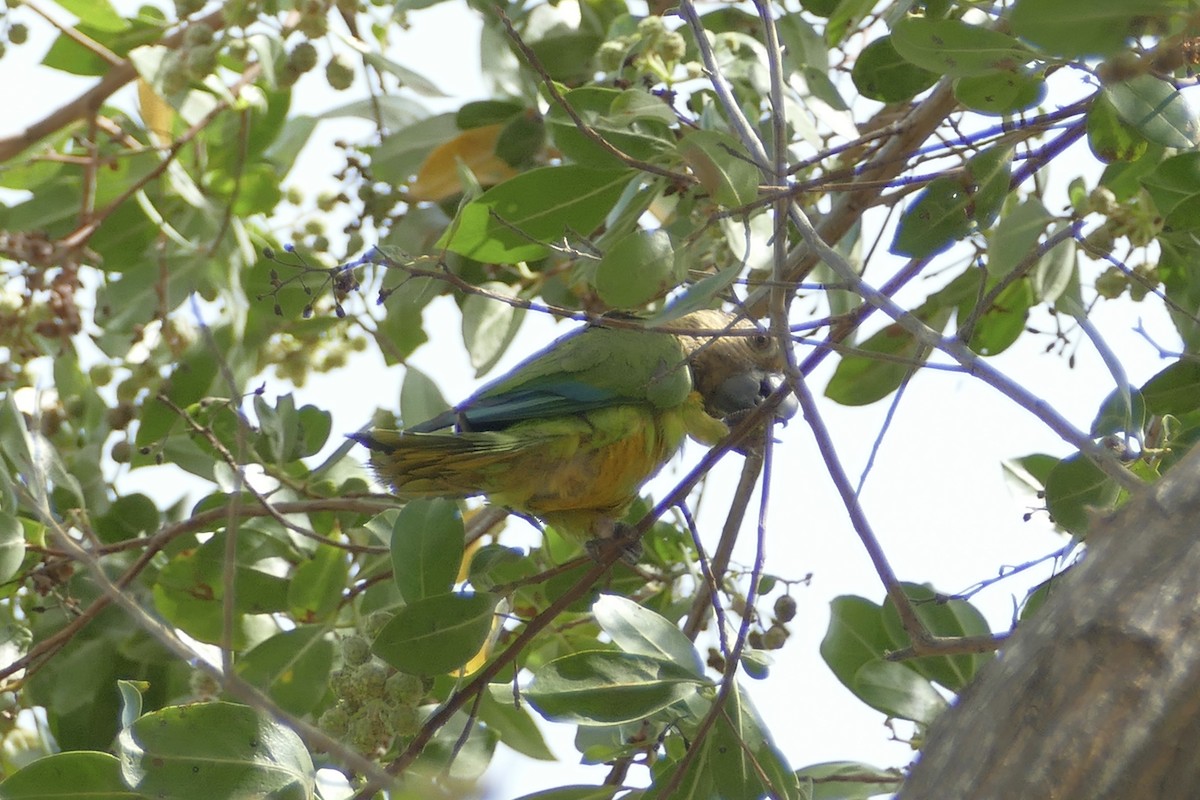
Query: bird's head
{"points": [[737, 371]]}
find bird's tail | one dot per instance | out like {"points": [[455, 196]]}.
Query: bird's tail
{"points": [[437, 464]]}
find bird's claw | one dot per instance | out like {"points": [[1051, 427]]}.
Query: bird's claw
{"points": [[619, 535]]}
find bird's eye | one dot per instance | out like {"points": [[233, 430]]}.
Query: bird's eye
{"points": [[760, 341]]}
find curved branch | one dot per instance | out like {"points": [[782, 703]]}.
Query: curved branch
{"points": [[90, 101]]}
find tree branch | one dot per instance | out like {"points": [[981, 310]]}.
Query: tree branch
{"points": [[1098, 696], [90, 101]]}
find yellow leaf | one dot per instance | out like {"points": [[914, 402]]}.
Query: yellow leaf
{"points": [[481, 657], [464, 569], [476, 149], [156, 114]]}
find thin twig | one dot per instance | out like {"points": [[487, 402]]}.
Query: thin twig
{"points": [[80, 236], [841, 481], [714, 569], [480, 682], [74, 34], [93, 98], [312, 736]]}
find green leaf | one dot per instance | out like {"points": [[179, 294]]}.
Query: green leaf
{"points": [[697, 781], [638, 630], [1077, 489], [291, 666], [1124, 178], [1174, 182], [637, 269], [50, 210], [854, 648], [606, 687], [509, 222], [743, 755], [128, 517], [479, 113], [1054, 270], [81, 773], [315, 426], [1001, 93], [635, 105], [190, 588], [898, 691], [494, 565], [438, 634], [427, 548], [575, 793], [607, 112], [1177, 267], [721, 165], [953, 47], [12, 546], [489, 325], [884, 361], [855, 636], [99, 14], [401, 153], [279, 429], [935, 220], [988, 173], [1002, 323], [942, 617], [420, 397], [880, 73], [567, 55], [701, 294], [1036, 597], [30, 173], [72, 56], [844, 16], [1122, 412], [1111, 137], [1035, 467], [285, 149], [459, 753], [522, 139], [1074, 28], [407, 77], [317, 584], [1015, 237], [514, 724], [192, 379], [1174, 390], [848, 780], [131, 701], [15, 439], [1157, 110], [214, 750]]}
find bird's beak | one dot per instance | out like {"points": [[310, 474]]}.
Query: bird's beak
{"points": [[741, 393]]}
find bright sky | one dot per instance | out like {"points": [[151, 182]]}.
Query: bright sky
{"points": [[936, 495]]}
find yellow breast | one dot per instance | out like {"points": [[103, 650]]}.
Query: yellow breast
{"points": [[592, 468]]}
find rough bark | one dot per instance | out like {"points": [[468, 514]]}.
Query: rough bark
{"points": [[1098, 696]]}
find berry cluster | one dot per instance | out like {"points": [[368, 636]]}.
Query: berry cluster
{"points": [[375, 703], [651, 51]]}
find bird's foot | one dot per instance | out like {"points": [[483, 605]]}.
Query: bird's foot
{"points": [[618, 534]]}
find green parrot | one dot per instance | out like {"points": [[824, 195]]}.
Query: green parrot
{"points": [[571, 434]]}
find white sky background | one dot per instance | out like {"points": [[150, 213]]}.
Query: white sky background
{"points": [[936, 495]]}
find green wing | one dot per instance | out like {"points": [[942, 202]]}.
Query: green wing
{"points": [[586, 369]]}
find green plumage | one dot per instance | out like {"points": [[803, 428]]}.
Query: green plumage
{"points": [[572, 433]]}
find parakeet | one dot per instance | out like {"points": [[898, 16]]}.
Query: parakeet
{"points": [[571, 434]]}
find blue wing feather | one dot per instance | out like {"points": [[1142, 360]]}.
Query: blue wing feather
{"points": [[499, 411]]}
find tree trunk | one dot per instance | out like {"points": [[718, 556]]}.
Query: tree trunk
{"points": [[1099, 695]]}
